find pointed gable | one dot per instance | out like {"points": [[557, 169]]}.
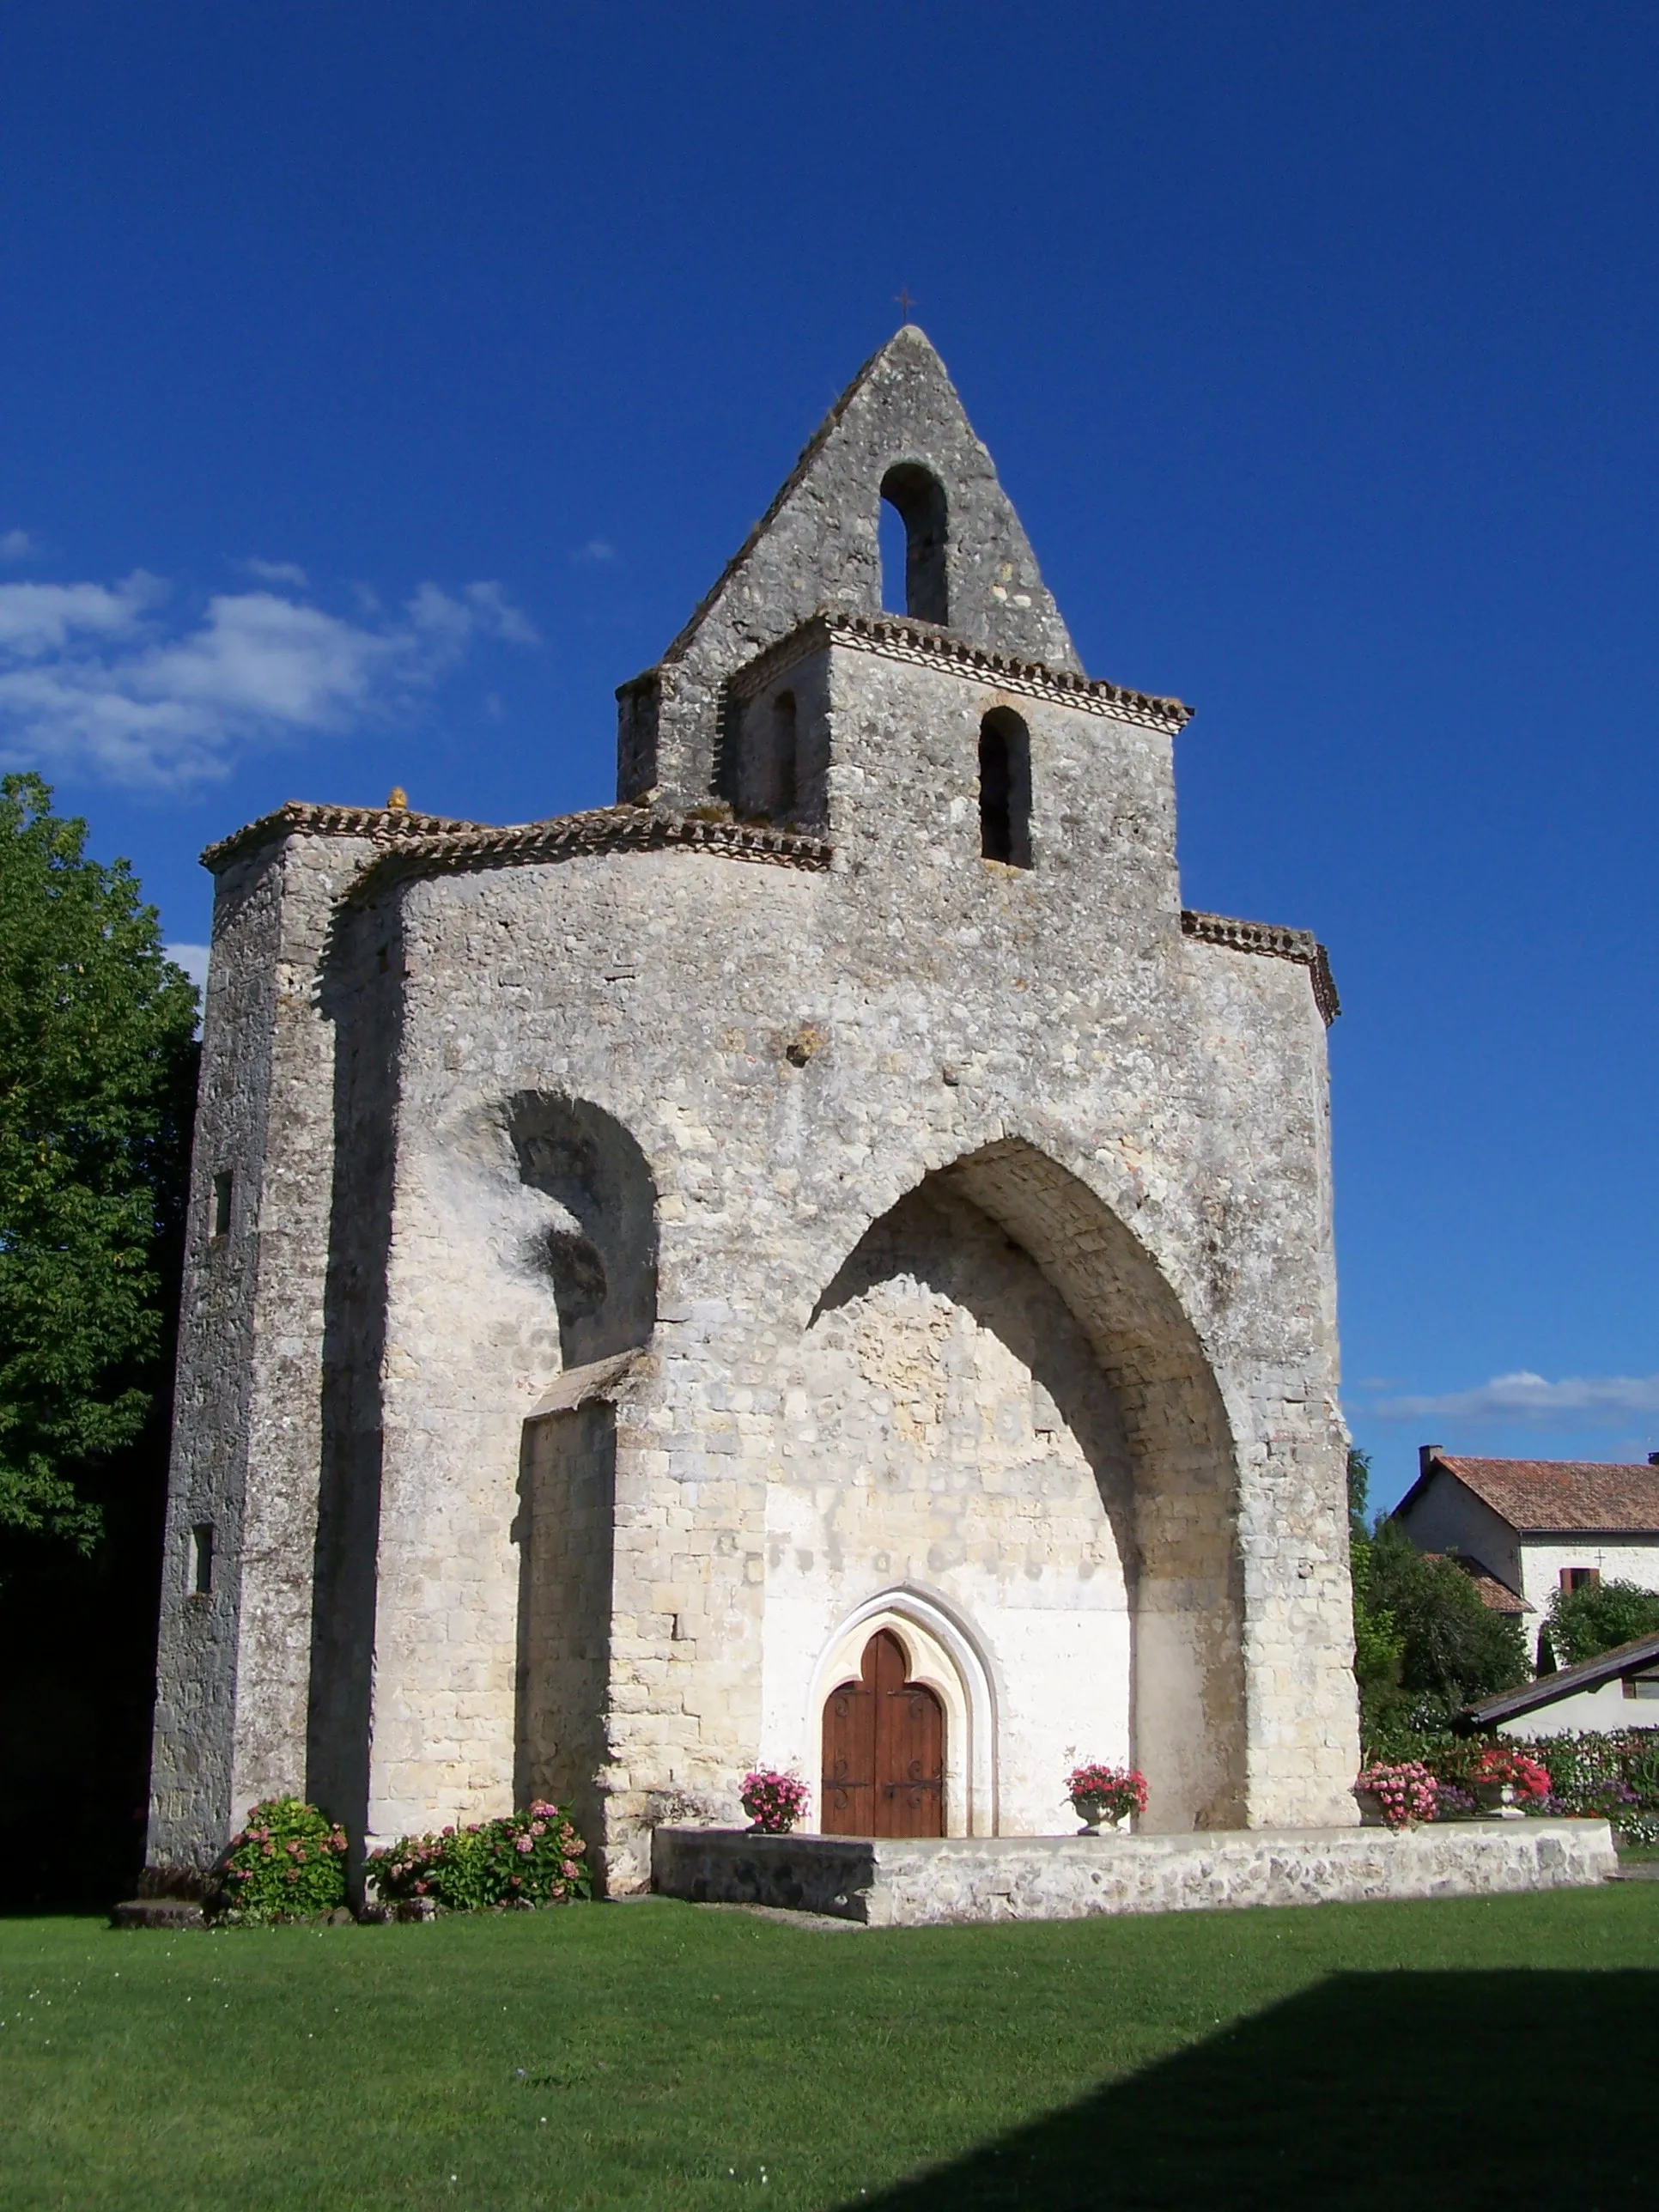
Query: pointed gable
{"points": [[899, 427]]}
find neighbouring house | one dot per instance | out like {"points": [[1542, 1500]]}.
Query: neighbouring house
{"points": [[1526, 1528], [1619, 1689]]}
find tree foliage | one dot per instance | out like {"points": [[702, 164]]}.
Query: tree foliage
{"points": [[1591, 1620], [1425, 1645], [1452, 1646], [1378, 1647], [97, 1059]]}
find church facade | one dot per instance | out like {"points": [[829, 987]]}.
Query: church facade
{"points": [[823, 1264]]}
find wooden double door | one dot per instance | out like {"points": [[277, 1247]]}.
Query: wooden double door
{"points": [[884, 1751]]}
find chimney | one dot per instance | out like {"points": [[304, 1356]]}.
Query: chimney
{"points": [[1428, 1453]]}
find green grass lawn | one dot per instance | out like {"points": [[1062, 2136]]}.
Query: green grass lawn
{"points": [[658, 2055]]}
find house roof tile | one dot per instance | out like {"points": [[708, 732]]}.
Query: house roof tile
{"points": [[1495, 1595], [1548, 1497]]}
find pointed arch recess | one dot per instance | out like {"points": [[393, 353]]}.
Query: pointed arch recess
{"points": [[1188, 1693]]}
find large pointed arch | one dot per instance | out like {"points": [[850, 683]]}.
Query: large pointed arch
{"points": [[1188, 1689]]}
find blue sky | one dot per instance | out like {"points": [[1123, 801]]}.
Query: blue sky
{"points": [[381, 385]]}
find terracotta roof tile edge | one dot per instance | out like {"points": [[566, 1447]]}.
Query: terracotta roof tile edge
{"points": [[929, 645], [301, 818], [572, 836], [1276, 943]]}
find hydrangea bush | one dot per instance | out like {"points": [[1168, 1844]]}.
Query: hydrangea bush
{"points": [[1106, 1793], [773, 1801], [533, 1858], [288, 1864], [1406, 1793]]}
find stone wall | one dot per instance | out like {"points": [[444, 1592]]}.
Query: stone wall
{"points": [[1142, 1114], [913, 1884], [234, 1665]]}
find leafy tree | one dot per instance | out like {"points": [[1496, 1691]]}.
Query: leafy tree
{"points": [[1452, 1646], [1595, 1616], [97, 1059], [1378, 1646]]}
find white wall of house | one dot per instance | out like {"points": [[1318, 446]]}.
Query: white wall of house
{"points": [[1628, 1559], [1611, 1706]]}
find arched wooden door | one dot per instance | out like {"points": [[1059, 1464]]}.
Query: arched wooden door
{"points": [[884, 1751]]}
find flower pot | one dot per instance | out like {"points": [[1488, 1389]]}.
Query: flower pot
{"points": [[1096, 1819], [1498, 1798], [1371, 1809]]}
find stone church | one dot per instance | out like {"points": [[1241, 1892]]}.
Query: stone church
{"points": [[823, 1263]]}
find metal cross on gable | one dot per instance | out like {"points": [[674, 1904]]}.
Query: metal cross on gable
{"points": [[905, 302]]}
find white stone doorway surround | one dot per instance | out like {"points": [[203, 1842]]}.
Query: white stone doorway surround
{"points": [[942, 1654]]}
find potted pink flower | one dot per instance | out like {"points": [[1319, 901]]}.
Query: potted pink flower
{"points": [[1102, 1796], [1395, 1796], [773, 1801]]}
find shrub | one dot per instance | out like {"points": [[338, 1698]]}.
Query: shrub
{"points": [[288, 1864], [530, 1858], [534, 1858], [1586, 1622], [1452, 1645], [1405, 1793], [1107, 1792], [773, 1801]]}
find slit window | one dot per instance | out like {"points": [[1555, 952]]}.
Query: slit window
{"points": [[785, 771], [222, 1185], [1005, 789], [917, 497], [201, 1560]]}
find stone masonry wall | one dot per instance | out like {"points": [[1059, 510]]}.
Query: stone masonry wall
{"points": [[235, 1664], [792, 1052]]}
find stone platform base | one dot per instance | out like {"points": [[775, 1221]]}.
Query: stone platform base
{"points": [[920, 1882]]}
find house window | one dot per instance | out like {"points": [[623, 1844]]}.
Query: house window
{"points": [[1642, 1685], [222, 1193], [917, 496], [201, 1560], [1005, 788], [1578, 1578]]}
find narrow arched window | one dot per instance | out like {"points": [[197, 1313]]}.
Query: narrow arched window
{"points": [[918, 498], [1005, 788], [785, 772]]}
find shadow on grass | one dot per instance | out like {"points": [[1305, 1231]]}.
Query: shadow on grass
{"points": [[1466, 2089]]}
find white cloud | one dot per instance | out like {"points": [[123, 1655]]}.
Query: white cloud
{"points": [[275, 572], [1594, 1401], [96, 679], [596, 554], [16, 545], [192, 958]]}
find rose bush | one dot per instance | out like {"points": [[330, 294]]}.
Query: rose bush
{"points": [[773, 1801], [288, 1864], [533, 1858]]}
